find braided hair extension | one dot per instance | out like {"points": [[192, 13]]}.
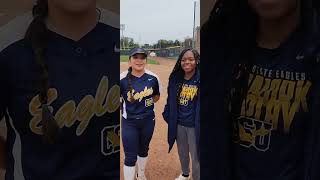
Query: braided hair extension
{"points": [[235, 25], [130, 88], [178, 72], [37, 35]]}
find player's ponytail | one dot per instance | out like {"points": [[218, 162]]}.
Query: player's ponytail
{"points": [[37, 35], [130, 88]]}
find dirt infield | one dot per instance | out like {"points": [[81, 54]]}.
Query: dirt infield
{"points": [[161, 165]]}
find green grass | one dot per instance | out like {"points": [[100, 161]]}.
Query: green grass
{"points": [[124, 58], [173, 58]]}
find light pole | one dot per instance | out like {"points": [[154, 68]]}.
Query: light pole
{"points": [[194, 23], [122, 28]]}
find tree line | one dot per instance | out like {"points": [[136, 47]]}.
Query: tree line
{"points": [[128, 43]]}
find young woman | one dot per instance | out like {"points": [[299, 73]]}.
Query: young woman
{"points": [[264, 60], [182, 111], [140, 89], [59, 92]]}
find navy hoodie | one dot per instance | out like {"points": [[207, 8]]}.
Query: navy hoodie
{"points": [[170, 114]]}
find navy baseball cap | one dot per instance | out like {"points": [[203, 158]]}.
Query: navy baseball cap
{"points": [[138, 50]]}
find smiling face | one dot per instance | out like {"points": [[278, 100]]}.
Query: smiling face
{"points": [[138, 62], [274, 9], [188, 62]]}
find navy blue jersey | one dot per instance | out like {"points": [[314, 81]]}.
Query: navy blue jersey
{"points": [[143, 89], [83, 97], [186, 101], [270, 129]]}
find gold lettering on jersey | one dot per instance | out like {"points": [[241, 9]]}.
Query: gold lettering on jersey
{"points": [[275, 97], [140, 95], [69, 113], [188, 92]]}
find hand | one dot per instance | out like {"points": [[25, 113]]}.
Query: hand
{"points": [[156, 98]]}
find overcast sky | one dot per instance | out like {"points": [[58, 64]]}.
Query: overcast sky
{"points": [[147, 21]]}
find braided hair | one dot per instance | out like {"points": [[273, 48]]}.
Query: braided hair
{"points": [[233, 25], [130, 88], [37, 35], [178, 72]]}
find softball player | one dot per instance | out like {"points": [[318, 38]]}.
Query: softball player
{"points": [[182, 111], [59, 83], [140, 89]]}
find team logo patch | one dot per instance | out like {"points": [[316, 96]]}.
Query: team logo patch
{"points": [[148, 102], [110, 140], [254, 133]]}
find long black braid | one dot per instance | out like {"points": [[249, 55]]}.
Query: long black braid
{"points": [[178, 72], [234, 25], [37, 35], [130, 88]]}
